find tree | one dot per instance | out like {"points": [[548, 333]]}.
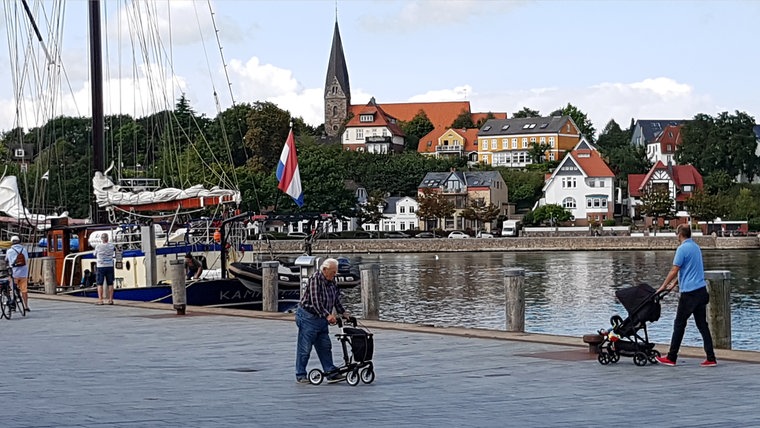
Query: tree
{"points": [[704, 206], [656, 203], [268, 128], [415, 129], [525, 113], [537, 152], [480, 212], [723, 143], [483, 120], [463, 121], [580, 118], [718, 181], [372, 211], [524, 186], [433, 206], [747, 206], [551, 213]]}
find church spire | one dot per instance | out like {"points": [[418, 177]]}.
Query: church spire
{"points": [[337, 88]]}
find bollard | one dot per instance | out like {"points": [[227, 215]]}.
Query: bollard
{"points": [[514, 283], [177, 278], [370, 291], [269, 286], [719, 308], [48, 274]]}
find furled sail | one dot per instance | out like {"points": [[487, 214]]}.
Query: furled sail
{"points": [[11, 205], [108, 194]]}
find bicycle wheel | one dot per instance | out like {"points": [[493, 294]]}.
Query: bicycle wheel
{"points": [[5, 305], [20, 306]]}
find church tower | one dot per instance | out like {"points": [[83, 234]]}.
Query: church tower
{"points": [[337, 89]]}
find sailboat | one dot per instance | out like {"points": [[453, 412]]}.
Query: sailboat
{"points": [[142, 262]]}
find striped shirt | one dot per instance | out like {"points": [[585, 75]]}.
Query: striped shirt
{"points": [[321, 295]]}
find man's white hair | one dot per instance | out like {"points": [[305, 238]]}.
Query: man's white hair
{"points": [[329, 262]]}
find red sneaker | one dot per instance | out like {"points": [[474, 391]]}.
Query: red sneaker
{"points": [[666, 361], [708, 363]]}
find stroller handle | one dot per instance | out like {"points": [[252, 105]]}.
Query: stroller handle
{"points": [[660, 295], [350, 320]]}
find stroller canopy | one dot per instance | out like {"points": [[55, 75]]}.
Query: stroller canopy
{"points": [[640, 303]]}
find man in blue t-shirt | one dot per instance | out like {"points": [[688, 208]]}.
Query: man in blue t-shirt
{"points": [[688, 273]]}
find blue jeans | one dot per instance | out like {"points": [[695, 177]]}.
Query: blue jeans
{"points": [[312, 331]]}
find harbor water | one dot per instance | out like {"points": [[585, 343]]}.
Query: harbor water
{"points": [[568, 293]]}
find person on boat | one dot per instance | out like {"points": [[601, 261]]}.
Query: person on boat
{"points": [[193, 267], [88, 279], [18, 259], [104, 255], [314, 313]]}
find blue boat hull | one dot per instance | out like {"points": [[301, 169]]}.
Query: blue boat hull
{"points": [[217, 293]]}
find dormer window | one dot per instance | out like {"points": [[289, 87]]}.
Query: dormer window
{"points": [[487, 128], [366, 118], [505, 127], [526, 126], [19, 153]]}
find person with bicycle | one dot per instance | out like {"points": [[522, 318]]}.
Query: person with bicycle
{"points": [[18, 259]]}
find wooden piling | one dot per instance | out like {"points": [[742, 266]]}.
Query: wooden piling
{"points": [[179, 293], [719, 308], [514, 284], [269, 286], [48, 274], [370, 288]]}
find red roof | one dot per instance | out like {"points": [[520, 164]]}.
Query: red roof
{"points": [[379, 116], [591, 163], [681, 175], [441, 114], [470, 137], [670, 136], [634, 184]]}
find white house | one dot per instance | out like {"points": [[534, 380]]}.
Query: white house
{"points": [[374, 131], [583, 184], [400, 214]]}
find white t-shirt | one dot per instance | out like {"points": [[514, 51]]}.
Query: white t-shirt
{"points": [[104, 254]]}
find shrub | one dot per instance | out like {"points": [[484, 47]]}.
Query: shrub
{"points": [[609, 222]]}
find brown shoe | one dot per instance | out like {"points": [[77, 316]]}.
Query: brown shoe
{"points": [[110, 302]]}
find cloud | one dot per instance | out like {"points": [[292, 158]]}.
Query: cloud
{"points": [[457, 94], [425, 13]]}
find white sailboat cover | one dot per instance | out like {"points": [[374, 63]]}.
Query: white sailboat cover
{"points": [[108, 194], [12, 206]]}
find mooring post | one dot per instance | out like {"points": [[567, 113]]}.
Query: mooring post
{"points": [[370, 291], [48, 275], [514, 283], [269, 286], [179, 293], [719, 308]]}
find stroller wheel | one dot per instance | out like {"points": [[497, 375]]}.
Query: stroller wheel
{"points": [[603, 358], [352, 377], [316, 376], [614, 357], [652, 354], [367, 375], [640, 359]]}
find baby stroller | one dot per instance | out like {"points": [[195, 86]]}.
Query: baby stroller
{"points": [[624, 338], [357, 365]]}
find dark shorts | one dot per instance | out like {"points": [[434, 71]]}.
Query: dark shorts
{"points": [[105, 273]]}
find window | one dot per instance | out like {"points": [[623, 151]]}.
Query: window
{"points": [[348, 134], [688, 188], [505, 127], [551, 155], [411, 211], [514, 143], [569, 182], [334, 90], [505, 144], [532, 139], [385, 132], [365, 118], [524, 143], [487, 128], [359, 134], [569, 203], [493, 144], [19, 153], [401, 209], [543, 139], [335, 111]]}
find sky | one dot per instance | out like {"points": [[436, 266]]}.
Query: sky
{"points": [[612, 59]]}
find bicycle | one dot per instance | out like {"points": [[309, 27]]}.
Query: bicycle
{"points": [[10, 299]]}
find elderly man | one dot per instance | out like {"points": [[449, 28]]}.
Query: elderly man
{"points": [[314, 314], [104, 255]]}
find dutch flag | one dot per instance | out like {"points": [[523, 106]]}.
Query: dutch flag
{"points": [[287, 171]]}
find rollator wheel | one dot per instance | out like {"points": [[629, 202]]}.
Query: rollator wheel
{"points": [[352, 377], [640, 359], [603, 358], [316, 376], [652, 356], [367, 375]]}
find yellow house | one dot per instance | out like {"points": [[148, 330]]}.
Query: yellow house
{"points": [[508, 142]]}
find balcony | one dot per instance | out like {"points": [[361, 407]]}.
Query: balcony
{"points": [[378, 139], [449, 148]]}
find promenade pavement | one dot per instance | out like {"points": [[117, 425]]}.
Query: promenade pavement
{"points": [[70, 363]]}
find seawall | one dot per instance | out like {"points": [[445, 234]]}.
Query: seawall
{"points": [[436, 245]]}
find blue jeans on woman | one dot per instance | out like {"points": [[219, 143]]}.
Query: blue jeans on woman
{"points": [[312, 331]]}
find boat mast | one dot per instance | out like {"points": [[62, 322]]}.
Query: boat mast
{"points": [[96, 79]]}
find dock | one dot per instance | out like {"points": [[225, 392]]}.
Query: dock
{"points": [[70, 363]]}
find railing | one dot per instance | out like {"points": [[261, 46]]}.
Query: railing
{"points": [[449, 148]]}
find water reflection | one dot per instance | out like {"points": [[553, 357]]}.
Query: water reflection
{"points": [[567, 293]]}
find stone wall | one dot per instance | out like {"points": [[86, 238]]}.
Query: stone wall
{"points": [[442, 245]]}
